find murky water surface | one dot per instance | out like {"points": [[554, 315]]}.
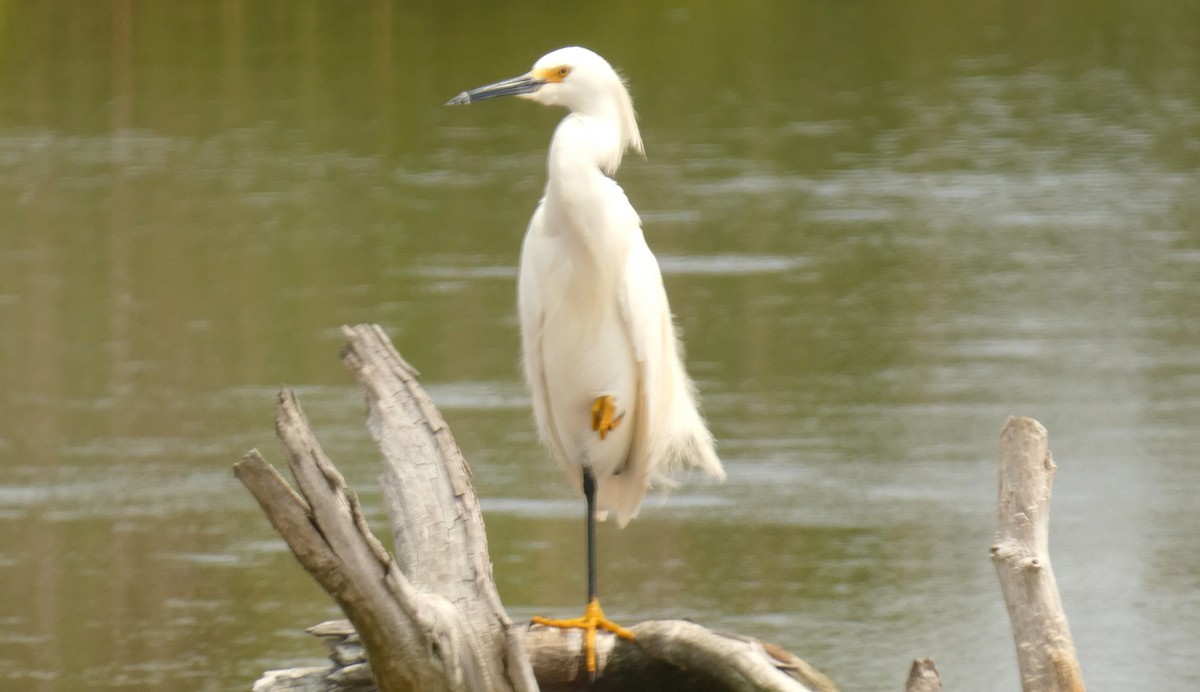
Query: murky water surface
{"points": [[884, 228]]}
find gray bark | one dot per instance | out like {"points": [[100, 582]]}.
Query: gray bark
{"points": [[430, 620], [1020, 553]]}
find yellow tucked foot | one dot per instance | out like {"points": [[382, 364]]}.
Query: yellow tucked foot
{"points": [[592, 620], [602, 415]]}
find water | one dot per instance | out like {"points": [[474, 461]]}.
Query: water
{"points": [[883, 230]]}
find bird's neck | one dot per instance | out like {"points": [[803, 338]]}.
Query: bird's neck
{"points": [[584, 205], [587, 139]]}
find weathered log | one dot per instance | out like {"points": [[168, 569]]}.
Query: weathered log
{"points": [[430, 619], [645, 665], [1020, 552]]}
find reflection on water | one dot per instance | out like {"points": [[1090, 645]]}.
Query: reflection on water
{"points": [[883, 231]]}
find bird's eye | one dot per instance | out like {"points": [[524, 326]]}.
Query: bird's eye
{"points": [[554, 75]]}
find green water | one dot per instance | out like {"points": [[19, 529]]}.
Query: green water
{"points": [[884, 228]]}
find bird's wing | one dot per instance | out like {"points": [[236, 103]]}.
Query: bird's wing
{"points": [[670, 431], [531, 306], [648, 321]]}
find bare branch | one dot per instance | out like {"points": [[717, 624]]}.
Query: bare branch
{"points": [[1020, 552]]}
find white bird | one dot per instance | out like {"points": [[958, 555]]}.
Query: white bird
{"points": [[612, 399]]}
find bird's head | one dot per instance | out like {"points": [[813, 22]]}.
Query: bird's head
{"points": [[575, 78]]}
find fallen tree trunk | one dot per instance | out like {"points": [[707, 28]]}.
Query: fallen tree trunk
{"points": [[430, 618], [1020, 552]]}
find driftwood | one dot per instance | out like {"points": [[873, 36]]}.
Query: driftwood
{"points": [[419, 633], [1020, 552], [430, 618], [673, 656]]}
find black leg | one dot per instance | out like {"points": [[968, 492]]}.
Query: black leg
{"points": [[593, 617], [589, 493]]}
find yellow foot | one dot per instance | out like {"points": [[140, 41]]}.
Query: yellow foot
{"points": [[602, 415], [592, 620]]}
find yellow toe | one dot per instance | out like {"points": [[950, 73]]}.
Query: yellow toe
{"points": [[593, 619], [604, 419]]}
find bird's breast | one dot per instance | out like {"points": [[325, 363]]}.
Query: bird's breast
{"points": [[586, 355]]}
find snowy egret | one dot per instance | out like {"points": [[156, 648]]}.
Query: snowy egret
{"points": [[612, 399]]}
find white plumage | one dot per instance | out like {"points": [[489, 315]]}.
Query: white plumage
{"points": [[594, 315]]}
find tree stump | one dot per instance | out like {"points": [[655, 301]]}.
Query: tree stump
{"points": [[430, 617]]}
